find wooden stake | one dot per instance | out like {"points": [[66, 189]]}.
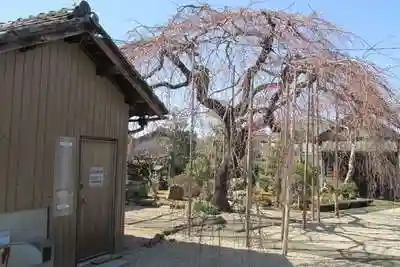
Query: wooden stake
{"points": [[171, 172], [231, 114], [214, 152], [336, 165], [319, 158], [313, 151], [284, 154], [290, 171], [192, 98], [232, 118], [306, 161], [249, 168]]}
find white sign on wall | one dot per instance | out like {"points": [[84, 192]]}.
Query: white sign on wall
{"points": [[64, 176], [63, 206], [96, 176]]}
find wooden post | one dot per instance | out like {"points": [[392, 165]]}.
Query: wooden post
{"points": [[192, 99], [215, 160], [336, 163], [284, 156], [306, 161], [313, 150], [290, 171], [171, 172], [232, 122], [319, 156], [249, 168]]}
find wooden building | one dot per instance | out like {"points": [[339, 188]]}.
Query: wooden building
{"points": [[377, 155], [376, 162], [66, 95]]}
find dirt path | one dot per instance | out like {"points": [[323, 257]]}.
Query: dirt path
{"points": [[356, 239]]}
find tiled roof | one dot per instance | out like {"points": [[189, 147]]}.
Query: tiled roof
{"points": [[40, 19], [32, 28], [68, 22]]}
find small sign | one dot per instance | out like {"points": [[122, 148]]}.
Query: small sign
{"points": [[64, 176], [65, 143], [96, 176], [63, 203]]}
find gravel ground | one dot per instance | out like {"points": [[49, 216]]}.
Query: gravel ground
{"points": [[358, 238]]}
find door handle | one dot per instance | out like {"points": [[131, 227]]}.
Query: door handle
{"points": [[83, 200]]}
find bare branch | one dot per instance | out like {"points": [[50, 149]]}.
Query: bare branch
{"points": [[201, 83], [158, 68], [266, 48], [170, 85]]}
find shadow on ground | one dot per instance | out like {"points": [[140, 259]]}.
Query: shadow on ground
{"points": [[140, 204], [180, 254], [359, 238], [357, 254]]}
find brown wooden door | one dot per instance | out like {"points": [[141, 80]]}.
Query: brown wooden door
{"points": [[95, 206]]}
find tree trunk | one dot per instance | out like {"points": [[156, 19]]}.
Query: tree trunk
{"points": [[220, 196], [278, 189], [351, 162]]}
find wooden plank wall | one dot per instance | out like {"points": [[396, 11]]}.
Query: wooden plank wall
{"points": [[47, 92]]}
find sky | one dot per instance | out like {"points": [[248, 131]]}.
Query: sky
{"points": [[377, 22]]}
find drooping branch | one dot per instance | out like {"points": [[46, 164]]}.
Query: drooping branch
{"points": [[158, 68], [201, 81], [300, 41], [266, 45]]}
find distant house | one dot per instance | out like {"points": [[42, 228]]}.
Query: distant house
{"points": [[376, 155], [156, 144], [66, 96], [147, 149], [376, 159]]}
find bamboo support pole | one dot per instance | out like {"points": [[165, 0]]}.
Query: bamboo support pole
{"points": [[305, 174], [249, 168], [290, 171], [313, 150]]}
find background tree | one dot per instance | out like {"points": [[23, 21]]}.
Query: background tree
{"points": [[180, 147], [200, 45], [268, 169], [202, 169], [168, 145]]}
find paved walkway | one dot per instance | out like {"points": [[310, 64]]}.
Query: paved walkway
{"points": [[355, 239]]}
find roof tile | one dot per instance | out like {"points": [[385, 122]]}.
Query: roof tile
{"points": [[42, 18], [25, 31]]}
